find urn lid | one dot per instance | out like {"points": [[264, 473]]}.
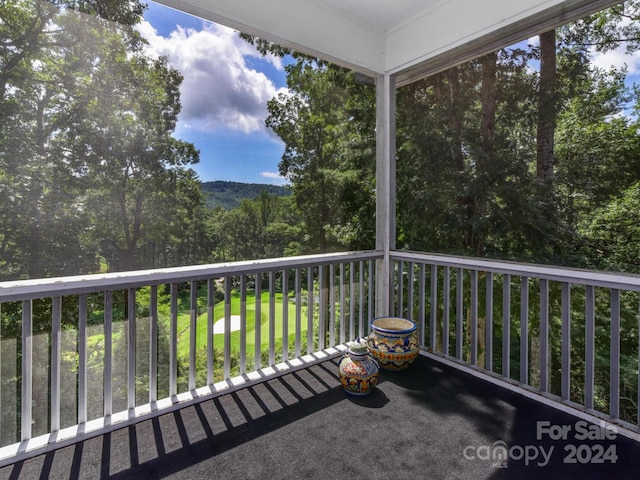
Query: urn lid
{"points": [[358, 347]]}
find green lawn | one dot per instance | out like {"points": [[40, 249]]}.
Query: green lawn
{"points": [[201, 331]]}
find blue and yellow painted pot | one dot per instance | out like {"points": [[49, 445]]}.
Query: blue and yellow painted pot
{"points": [[393, 342], [358, 370]]}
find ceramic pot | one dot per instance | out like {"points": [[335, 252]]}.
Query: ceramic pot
{"points": [[358, 370], [393, 342]]}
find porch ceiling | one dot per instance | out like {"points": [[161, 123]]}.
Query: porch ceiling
{"points": [[405, 37]]}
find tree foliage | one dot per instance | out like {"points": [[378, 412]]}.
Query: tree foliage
{"points": [[89, 168], [327, 122]]}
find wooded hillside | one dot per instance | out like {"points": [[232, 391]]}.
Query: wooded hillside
{"points": [[229, 195]]}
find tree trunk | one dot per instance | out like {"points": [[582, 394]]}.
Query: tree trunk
{"points": [[485, 152], [455, 118], [488, 120], [546, 107]]}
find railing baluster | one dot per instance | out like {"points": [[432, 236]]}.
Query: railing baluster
{"points": [[488, 341], [638, 390], [506, 326], [108, 354], [56, 341], [310, 309], [400, 284], [343, 316], [410, 291], [27, 370], [566, 342], [524, 330], [193, 329], [2, 423], [322, 294], [434, 309], [272, 318], [614, 402], [474, 316], [3, 428], [371, 295], [298, 299], [211, 300], [82, 359], [131, 349], [352, 303], [285, 315], [173, 341], [446, 307], [421, 303], [361, 317], [544, 335], [243, 324], [589, 347], [153, 344], [227, 327], [258, 323], [332, 305], [459, 312]]}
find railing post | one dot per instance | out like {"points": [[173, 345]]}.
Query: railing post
{"points": [[385, 186]]}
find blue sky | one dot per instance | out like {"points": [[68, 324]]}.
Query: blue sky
{"points": [[226, 86]]}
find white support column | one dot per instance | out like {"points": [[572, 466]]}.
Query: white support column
{"points": [[385, 186]]}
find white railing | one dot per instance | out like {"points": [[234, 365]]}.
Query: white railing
{"points": [[570, 335], [83, 355], [80, 356]]}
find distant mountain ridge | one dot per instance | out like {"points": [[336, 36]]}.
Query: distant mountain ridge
{"points": [[229, 195]]}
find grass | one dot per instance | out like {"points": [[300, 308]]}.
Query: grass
{"points": [[184, 321]]}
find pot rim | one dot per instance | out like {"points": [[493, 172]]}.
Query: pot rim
{"points": [[411, 329]]}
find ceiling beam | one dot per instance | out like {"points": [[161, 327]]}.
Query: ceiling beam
{"points": [[527, 27]]}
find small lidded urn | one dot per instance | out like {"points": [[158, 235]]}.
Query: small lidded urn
{"points": [[358, 369]]}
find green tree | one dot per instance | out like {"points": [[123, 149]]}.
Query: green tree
{"points": [[267, 227], [326, 121], [88, 166]]}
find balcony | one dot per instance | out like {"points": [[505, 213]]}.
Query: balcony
{"points": [[524, 371]]}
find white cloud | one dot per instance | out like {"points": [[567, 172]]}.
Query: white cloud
{"points": [[272, 175], [219, 90], [618, 58]]}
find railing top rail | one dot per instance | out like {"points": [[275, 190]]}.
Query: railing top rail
{"points": [[622, 281], [73, 285]]}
